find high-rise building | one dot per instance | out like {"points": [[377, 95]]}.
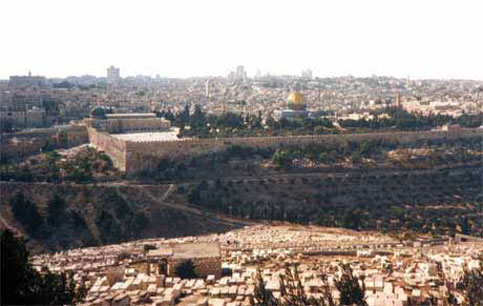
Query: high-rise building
{"points": [[113, 75], [208, 88], [238, 75], [307, 74], [240, 72]]}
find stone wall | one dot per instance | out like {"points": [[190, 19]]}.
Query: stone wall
{"points": [[135, 156], [146, 155], [202, 266], [115, 148]]}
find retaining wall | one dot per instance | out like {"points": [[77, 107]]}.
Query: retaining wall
{"points": [[115, 148], [135, 156]]}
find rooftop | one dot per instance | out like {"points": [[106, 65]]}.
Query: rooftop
{"points": [[188, 250], [130, 115], [196, 250], [153, 136]]}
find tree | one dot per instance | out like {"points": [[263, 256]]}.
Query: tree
{"points": [[109, 228], [22, 285], [26, 213], [465, 226], [351, 292], [351, 220], [198, 118], [56, 211], [293, 293], [261, 296], [472, 285]]}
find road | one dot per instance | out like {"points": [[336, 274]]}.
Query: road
{"points": [[274, 176]]}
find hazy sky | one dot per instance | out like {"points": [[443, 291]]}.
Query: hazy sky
{"points": [[420, 39]]}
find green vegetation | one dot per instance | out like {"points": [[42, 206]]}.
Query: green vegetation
{"points": [[369, 154], [199, 124], [433, 201], [352, 290], [204, 125], [56, 218], [84, 166], [117, 221], [56, 211], [293, 293], [429, 186], [208, 163], [27, 214], [431, 153], [401, 120], [22, 285], [471, 284]]}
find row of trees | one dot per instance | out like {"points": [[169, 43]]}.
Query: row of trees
{"points": [[402, 120], [439, 152], [418, 202], [351, 290], [331, 153], [230, 124], [57, 219], [292, 292], [114, 219]]}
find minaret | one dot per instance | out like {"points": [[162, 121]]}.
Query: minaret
{"points": [[398, 96], [223, 105], [398, 99]]}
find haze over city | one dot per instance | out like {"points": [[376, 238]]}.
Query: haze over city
{"points": [[419, 39], [241, 153]]}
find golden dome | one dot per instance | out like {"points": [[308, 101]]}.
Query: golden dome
{"points": [[295, 97]]}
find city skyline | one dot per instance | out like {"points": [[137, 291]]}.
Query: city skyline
{"points": [[434, 39]]}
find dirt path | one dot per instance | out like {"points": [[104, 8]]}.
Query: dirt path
{"points": [[265, 177]]}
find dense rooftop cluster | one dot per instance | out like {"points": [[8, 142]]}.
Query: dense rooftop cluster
{"points": [[61, 100]]}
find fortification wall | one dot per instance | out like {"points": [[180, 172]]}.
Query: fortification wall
{"points": [[115, 148], [147, 155]]}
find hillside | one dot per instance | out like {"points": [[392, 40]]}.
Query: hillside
{"points": [[103, 214], [76, 198]]}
